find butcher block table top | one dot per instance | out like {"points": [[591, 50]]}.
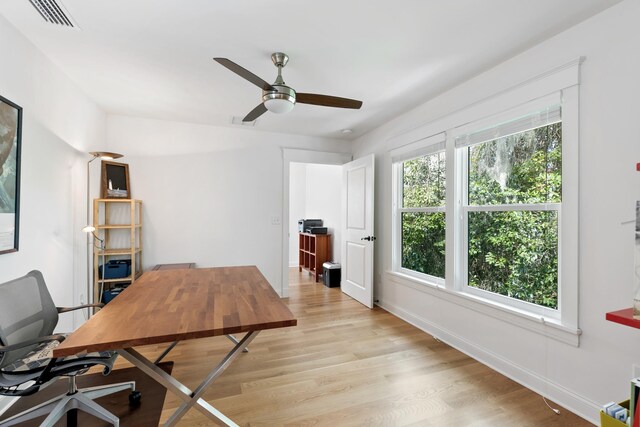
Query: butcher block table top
{"points": [[173, 305]]}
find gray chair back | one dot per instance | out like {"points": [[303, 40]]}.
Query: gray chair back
{"points": [[26, 312]]}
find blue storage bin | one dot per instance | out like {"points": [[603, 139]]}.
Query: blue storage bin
{"points": [[113, 271], [109, 295], [126, 262]]}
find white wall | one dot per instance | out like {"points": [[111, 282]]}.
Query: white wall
{"points": [[315, 192], [324, 200], [217, 197], [598, 370], [59, 125], [297, 207]]}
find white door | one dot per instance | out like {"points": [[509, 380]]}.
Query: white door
{"points": [[357, 229]]}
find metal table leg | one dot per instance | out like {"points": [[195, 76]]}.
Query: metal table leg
{"points": [[233, 339], [165, 352], [190, 398]]}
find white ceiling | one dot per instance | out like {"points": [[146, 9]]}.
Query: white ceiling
{"points": [[153, 58]]}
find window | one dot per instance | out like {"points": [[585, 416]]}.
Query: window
{"points": [[511, 205], [488, 210], [420, 177], [422, 215]]}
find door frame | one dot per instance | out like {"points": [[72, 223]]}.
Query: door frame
{"points": [[293, 155]]}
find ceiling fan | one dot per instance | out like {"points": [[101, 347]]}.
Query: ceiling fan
{"points": [[280, 98]]}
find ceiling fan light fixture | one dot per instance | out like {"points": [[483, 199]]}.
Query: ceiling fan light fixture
{"points": [[279, 106], [279, 101]]}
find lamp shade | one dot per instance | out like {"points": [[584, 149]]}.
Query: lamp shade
{"points": [[279, 106]]}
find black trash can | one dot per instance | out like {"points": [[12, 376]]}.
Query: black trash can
{"points": [[331, 274]]}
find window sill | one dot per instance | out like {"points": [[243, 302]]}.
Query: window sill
{"points": [[551, 328]]}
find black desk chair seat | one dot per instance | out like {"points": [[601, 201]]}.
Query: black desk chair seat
{"points": [[28, 317]]}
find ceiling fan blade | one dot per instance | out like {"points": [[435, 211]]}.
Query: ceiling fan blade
{"points": [[255, 113], [327, 101], [244, 73]]}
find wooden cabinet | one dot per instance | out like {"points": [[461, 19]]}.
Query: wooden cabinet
{"points": [[118, 228], [315, 249]]}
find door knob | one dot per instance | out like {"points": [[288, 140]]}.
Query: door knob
{"points": [[369, 238]]}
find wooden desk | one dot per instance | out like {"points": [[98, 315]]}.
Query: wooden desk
{"points": [[173, 305]]}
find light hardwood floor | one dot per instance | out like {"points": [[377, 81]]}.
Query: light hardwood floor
{"points": [[347, 365]]}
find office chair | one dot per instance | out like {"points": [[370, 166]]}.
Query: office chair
{"points": [[28, 317]]}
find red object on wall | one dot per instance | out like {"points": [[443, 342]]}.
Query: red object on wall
{"points": [[624, 317], [638, 167], [636, 415]]}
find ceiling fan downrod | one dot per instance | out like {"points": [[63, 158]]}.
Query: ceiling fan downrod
{"points": [[279, 60]]}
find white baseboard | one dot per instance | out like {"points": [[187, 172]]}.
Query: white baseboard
{"points": [[576, 403]]}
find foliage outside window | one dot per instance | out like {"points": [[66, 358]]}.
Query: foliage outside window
{"points": [[514, 191], [422, 215]]}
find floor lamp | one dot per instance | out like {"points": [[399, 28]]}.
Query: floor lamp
{"points": [[90, 230]]}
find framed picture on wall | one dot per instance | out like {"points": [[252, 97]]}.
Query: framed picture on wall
{"points": [[115, 181], [10, 144]]}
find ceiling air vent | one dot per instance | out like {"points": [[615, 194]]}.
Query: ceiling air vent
{"points": [[54, 12], [235, 120]]}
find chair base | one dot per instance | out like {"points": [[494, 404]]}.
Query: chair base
{"points": [[80, 399]]}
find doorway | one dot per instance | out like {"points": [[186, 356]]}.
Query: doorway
{"points": [[310, 159], [315, 193]]}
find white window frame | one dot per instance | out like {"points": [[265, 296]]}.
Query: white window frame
{"points": [[464, 227], [567, 210], [426, 147], [561, 83]]}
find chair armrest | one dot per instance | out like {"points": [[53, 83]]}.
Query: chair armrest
{"points": [[67, 309], [47, 338]]}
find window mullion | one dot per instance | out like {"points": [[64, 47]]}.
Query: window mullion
{"points": [[397, 220], [463, 219], [429, 209], [513, 207], [455, 200]]}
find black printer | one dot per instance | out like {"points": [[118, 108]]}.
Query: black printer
{"points": [[306, 224], [316, 230]]}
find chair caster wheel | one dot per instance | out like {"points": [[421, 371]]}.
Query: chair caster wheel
{"points": [[134, 398]]}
